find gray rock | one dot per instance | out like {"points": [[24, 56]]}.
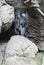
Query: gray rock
{"points": [[6, 15], [1, 57], [2, 52], [2, 2], [41, 45], [20, 51]]}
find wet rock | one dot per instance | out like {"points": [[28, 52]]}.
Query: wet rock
{"points": [[19, 51]]}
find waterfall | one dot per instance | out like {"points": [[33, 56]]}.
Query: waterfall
{"points": [[21, 20]]}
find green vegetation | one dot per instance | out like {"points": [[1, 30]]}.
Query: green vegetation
{"points": [[39, 58]]}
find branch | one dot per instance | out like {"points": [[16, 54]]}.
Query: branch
{"points": [[42, 13]]}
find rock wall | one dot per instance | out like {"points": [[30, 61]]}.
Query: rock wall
{"points": [[37, 27]]}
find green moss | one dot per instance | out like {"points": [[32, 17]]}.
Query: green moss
{"points": [[39, 58]]}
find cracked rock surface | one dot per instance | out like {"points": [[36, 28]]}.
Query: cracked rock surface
{"points": [[17, 51], [20, 50]]}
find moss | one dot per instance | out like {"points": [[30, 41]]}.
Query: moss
{"points": [[39, 58]]}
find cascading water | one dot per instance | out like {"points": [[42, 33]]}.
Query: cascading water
{"points": [[21, 20]]}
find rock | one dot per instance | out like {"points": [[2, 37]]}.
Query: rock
{"points": [[19, 61], [2, 2], [2, 52], [1, 57], [6, 16], [0, 25], [7, 13], [41, 45], [19, 51]]}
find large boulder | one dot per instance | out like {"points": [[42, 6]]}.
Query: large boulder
{"points": [[20, 50], [6, 16]]}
